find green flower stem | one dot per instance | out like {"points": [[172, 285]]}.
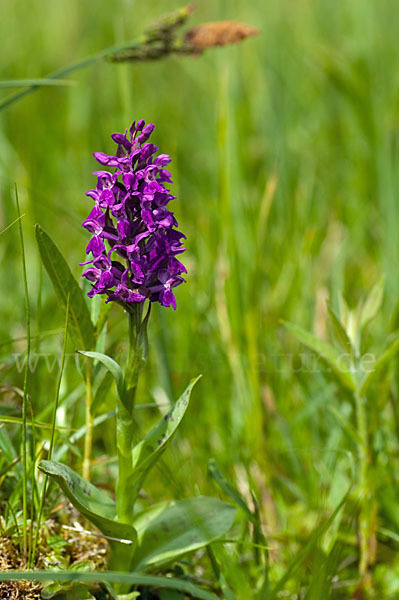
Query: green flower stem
{"points": [[124, 438], [88, 443], [125, 424], [133, 364], [365, 516]]}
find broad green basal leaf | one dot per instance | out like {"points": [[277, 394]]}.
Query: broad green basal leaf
{"points": [[167, 530], [80, 324], [91, 502]]}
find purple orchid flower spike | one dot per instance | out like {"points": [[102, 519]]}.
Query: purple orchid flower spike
{"points": [[134, 237]]}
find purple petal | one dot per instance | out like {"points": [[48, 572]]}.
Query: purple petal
{"points": [[162, 160], [106, 199], [165, 176], [92, 274], [130, 181], [147, 151], [104, 159], [102, 262], [167, 298], [107, 281], [175, 267], [145, 134], [93, 194], [122, 140], [96, 246], [137, 273], [124, 229]]}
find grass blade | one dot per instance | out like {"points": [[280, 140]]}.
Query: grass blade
{"points": [[24, 448]]}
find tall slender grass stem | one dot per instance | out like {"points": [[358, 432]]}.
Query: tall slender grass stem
{"points": [[25, 394], [364, 526]]}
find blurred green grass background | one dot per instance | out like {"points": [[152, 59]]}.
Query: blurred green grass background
{"points": [[285, 163]]}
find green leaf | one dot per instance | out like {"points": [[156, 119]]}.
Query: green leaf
{"points": [[373, 303], [381, 363], [326, 351], [81, 326], [91, 502], [172, 583], [169, 529], [147, 452], [339, 331], [114, 369]]}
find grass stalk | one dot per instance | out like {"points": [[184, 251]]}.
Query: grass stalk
{"points": [[364, 526], [33, 481], [25, 394]]}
